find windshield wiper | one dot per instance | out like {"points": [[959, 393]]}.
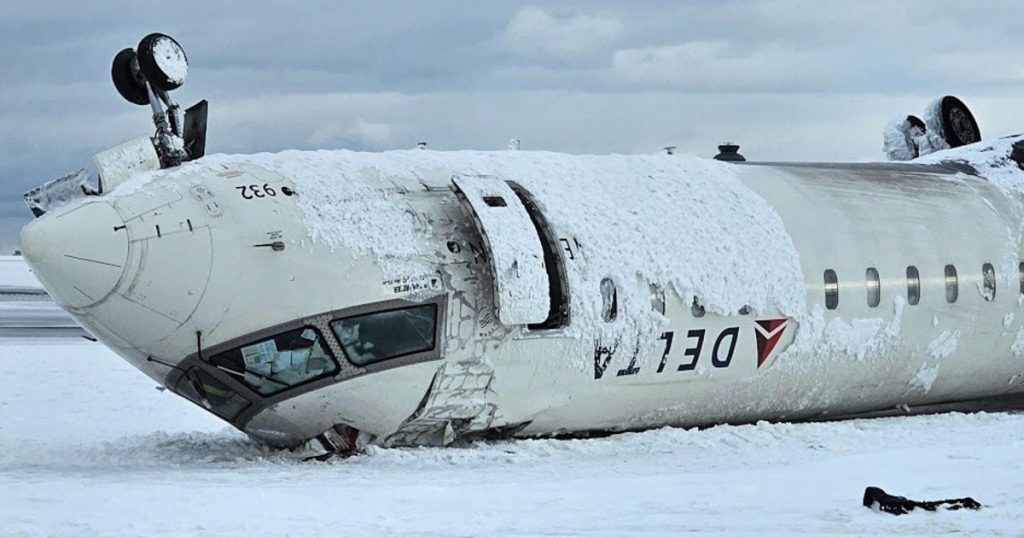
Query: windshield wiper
{"points": [[198, 387], [252, 372]]}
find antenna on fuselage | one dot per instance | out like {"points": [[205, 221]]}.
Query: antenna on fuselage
{"points": [[729, 152]]}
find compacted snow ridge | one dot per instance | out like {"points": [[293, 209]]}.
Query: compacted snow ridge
{"points": [[89, 448]]}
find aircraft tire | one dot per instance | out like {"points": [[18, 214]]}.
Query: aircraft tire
{"points": [[959, 127], [125, 81], [150, 65]]}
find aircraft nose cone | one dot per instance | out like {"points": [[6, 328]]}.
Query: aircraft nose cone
{"points": [[80, 255]]}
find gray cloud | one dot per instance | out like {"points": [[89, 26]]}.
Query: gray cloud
{"points": [[548, 37], [789, 79]]}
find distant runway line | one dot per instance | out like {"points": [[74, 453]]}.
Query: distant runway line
{"points": [[29, 313]]}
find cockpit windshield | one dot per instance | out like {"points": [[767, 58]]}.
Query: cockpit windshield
{"points": [[384, 335], [211, 393], [278, 363]]}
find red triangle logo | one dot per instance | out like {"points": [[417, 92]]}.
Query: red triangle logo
{"points": [[768, 332]]}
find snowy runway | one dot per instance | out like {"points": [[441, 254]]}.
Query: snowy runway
{"points": [[89, 448]]}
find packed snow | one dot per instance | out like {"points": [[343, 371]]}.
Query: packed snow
{"points": [[897, 143], [515, 254], [925, 377], [170, 58], [1018, 344], [57, 192], [714, 249], [944, 345], [88, 447], [992, 160]]}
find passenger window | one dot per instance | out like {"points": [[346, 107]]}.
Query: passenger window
{"points": [[609, 300], [697, 309], [495, 201], [209, 392], [831, 289], [874, 286], [913, 285], [952, 286], [282, 362], [657, 299], [988, 274], [379, 336]]}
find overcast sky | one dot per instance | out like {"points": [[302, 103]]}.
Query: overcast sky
{"points": [[787, 79]]}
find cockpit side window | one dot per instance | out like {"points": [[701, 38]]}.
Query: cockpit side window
{"points": [[205, 390], [379, 336], [275, 364]]}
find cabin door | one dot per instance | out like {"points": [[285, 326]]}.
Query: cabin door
{"points": [[514, 249]]}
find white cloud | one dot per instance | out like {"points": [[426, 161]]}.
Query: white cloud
{"points": [[540, 35], [973, 68], [718, 65], [360, 132]]}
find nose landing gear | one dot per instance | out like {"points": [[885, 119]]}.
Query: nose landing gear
{"points": [[145, 76]]}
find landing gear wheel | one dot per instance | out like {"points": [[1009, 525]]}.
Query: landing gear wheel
{"points": [[958, 125], [127, 79], [162, 61]]}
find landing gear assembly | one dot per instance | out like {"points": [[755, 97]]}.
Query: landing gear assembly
{"points": [[948, 123], [145, 76]]}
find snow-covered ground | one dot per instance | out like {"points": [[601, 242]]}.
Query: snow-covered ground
{"points": [[25, 308], [89, 448], [15, 275]]}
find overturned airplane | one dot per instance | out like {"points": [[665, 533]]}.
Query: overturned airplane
{"points": [[424, 297]]}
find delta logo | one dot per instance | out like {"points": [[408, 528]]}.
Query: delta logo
{"points": [[768, 333]]}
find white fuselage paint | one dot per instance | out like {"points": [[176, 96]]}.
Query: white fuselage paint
{"points": [[175, 253]]}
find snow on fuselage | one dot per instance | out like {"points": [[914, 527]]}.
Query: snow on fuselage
{"points": [[289, 293]]}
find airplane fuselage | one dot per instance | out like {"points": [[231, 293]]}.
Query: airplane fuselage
{"points": [[419, 297]]}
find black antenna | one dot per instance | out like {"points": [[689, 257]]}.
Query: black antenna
{"points": [[169, 365]]}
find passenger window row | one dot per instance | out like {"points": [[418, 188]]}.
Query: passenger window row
{"points": [[874, 285]]}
